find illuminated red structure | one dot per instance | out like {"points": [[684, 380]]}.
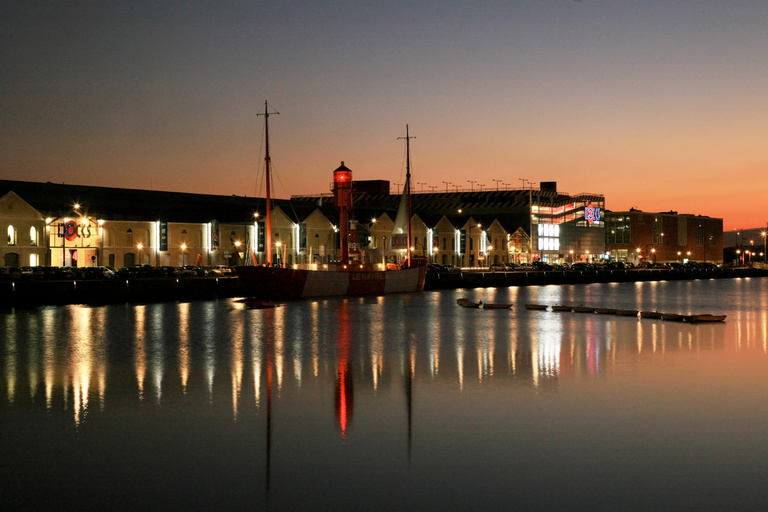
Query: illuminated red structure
{"points": [[342, 197]]}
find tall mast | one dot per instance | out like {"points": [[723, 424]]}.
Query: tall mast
{"points": [[407, 189], [267, 171]]}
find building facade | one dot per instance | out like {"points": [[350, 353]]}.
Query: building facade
{"points": [[643, 237], [67, 225]]}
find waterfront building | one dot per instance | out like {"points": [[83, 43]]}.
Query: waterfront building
{"points": [[90, 226], [643, 237], [25, 228]]}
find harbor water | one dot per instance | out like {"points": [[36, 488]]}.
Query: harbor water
{"points": [[402, 402]]}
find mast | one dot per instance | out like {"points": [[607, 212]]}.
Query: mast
{"points": [[267, 171], [407, 189]]}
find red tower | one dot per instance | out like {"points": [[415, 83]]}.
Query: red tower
{"points": [[342, 196]]}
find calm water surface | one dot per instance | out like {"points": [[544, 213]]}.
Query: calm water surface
{"points": [[406, 402]]}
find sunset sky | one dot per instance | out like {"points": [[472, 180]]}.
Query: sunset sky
{"points": [[658, 105]]}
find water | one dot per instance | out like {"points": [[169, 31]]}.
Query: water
{"points": [[404, 402]]}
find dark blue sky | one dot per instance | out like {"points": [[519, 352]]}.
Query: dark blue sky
{"points": [[657, 104]]}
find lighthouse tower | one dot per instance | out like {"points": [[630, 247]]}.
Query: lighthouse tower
{"points": [[342, 197]]}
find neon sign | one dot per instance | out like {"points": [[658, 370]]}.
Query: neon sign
{"points": [[71, 231], [591, 213]]}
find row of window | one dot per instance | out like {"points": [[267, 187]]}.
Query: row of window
{"points": [[33, 238]]}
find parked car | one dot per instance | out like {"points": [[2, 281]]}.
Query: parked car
{"points": [[220, 270], [97, 273]]}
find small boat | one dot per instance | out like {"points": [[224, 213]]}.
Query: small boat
{"points": [[650, 314], [561, 307], [583, 309], [539, 307], [672, 317], [464, 302], [605, 311], [490, 305], [704, 318], [626, 312]]}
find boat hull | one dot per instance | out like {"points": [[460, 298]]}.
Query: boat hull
{"points": [[290, 283]]}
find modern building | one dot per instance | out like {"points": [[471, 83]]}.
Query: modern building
{"points": [[636, 236]]}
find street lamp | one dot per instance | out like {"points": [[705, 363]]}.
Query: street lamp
{"points": [[383, 252]]}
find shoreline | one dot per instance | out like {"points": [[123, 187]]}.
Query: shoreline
{"points": [[41, 292]]}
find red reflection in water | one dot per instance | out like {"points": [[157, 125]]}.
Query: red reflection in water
{"points": [[344, 388]]}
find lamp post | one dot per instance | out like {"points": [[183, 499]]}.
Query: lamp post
{"points": [[765, 245], [383, 252], [140, 246], [469, 245], [447, 183], [479, 228]]}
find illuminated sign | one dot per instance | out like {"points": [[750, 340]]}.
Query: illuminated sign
{"points": [[591, 213], [71, 230]]}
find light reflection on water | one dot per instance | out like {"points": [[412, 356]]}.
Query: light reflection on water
{"points": [[299, 396]]}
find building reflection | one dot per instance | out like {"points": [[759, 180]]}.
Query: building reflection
{"points": [[67, 357]]}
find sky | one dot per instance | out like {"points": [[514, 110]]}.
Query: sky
{"points": [[658, 105]]}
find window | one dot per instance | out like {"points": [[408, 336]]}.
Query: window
{"points": [[33, 237], [617, 230], [11, 235], [34, 260], [657, 232], [549, 237]]}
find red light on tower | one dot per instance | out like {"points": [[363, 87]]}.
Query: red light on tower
{"points": [[342, 196]]}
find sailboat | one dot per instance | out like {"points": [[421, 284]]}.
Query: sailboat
{"points": [[345, 278]]}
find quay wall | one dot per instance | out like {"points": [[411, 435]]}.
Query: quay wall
{"points": [[483, 279], [39, 292]]}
